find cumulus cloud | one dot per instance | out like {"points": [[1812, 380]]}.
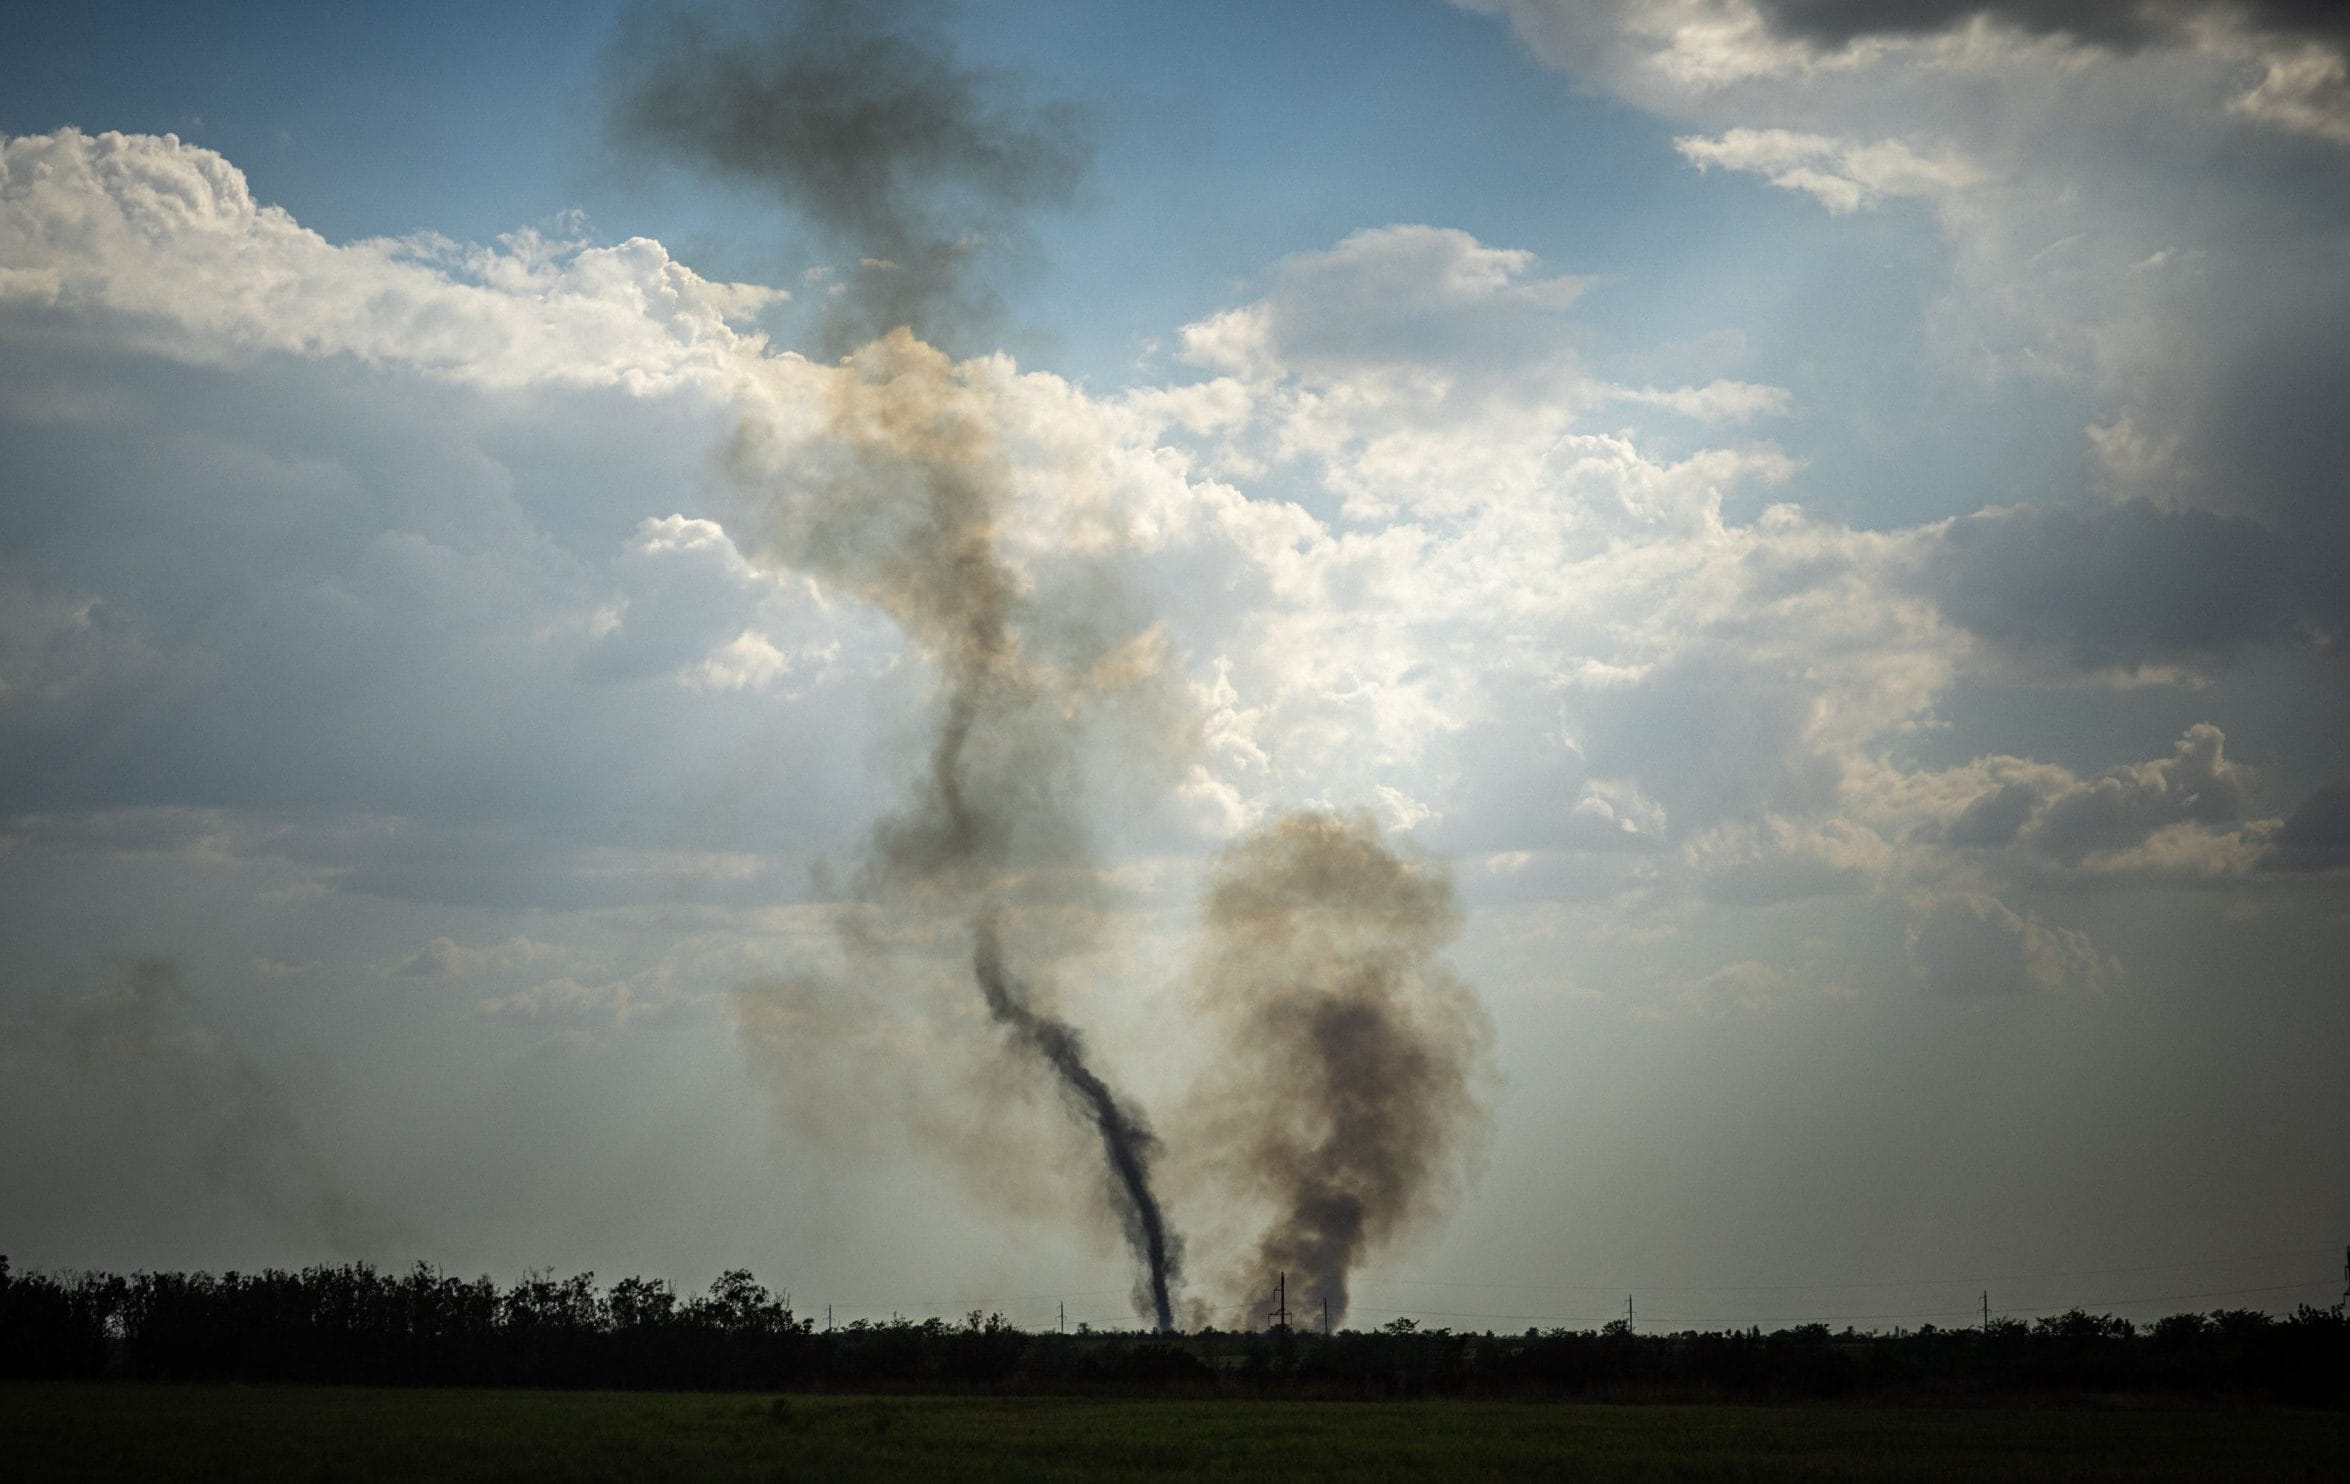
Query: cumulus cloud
{"points": [[2304, 86], [2129, 22], [2196, 784], [2187, 815], [1418, 371], [319, 621], [2294, 51], [2297, 47], [1655, 673], [310, 573], [1417, 301], [1976, 945], [161, 245], [2094, 247]]}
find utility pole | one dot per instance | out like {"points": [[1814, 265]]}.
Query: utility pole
{"points": [[1280, 1311], [2344, 1306], [1986, 1311], [1326, 1310], [1627, 1313], [1061, 1325], [828, 1319]]}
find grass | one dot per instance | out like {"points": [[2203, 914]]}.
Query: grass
{"points": [[92, 1431]]}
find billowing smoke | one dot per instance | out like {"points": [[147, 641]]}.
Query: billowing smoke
{"points": [[858, 116], [142, 1026], [1346, 1097]]}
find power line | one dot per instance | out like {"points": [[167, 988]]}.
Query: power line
{"points": [[2106, 1303], [1969, 1279], [941, 1306], [1743, 1320]]}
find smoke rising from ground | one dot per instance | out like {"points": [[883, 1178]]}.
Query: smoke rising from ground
{"points": [[143, 1027], [1127, 1142], [1346, 1099], [900, 501], [858, 115], [1361, 1049]]}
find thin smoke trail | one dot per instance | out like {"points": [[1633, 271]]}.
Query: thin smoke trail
{"points": [[1127, 1144]]}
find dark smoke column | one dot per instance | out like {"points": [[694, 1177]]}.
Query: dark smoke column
{"points": [[1346, 1099], [858, 117], [1126, 1141]]}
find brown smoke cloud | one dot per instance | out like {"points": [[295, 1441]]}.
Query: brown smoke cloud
{"points": [[1345, 1101], [142, 1026]]}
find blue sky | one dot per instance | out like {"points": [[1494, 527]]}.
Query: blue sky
{"points": [[1829, 542]]}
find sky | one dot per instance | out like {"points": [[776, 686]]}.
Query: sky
{"points": [[1755, 586]]}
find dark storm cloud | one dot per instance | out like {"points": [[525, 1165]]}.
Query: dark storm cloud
{"points": [[2270, 440], [2110, 22], [2315, 836], [2112, 586], [858, 115]]}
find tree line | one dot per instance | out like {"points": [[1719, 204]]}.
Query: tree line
{"points": [[354, 1324]]}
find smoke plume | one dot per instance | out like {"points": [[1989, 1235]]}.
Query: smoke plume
{"points": [[900, 501], [1346, 1100], [858, 116], [1347, 1103], [143, 1026], [1126, 1142]]}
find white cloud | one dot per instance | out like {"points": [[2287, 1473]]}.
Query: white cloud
{"points": [[2304, 87], [751, 661], [1720, 400], [1416, 300], [2137, 226], [1843, 175], [158, 244]]}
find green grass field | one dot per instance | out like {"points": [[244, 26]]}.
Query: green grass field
{"points": [[70, 1431]]}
